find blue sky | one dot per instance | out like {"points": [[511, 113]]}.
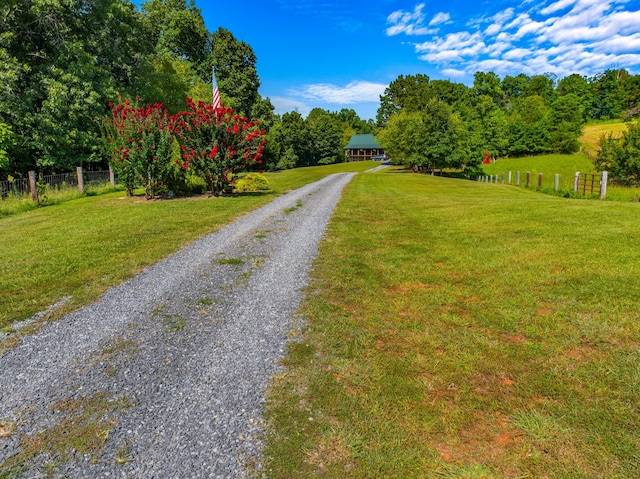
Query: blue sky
{"points": [[337, 54]]}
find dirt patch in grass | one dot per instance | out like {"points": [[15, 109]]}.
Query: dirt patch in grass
{"points": [[84, 428], [409, 288]]}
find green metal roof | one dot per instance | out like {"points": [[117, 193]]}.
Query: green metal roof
{"points": [[362, 141]]}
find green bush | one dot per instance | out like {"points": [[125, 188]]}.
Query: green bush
{"points": [[253, 182]]}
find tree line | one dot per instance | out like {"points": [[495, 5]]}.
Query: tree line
{"points": [[62, 62], [435, 124]]}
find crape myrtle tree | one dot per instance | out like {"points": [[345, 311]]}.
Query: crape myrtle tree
{"points": [[213, 143], [217, 143]]}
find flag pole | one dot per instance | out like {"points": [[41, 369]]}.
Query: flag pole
{"points": [[215, 91]]}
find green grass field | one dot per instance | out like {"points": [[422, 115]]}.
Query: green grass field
{"points": [[81, 247], [464, 330], [454, 329]]}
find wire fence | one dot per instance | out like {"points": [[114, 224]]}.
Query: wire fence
{"points": [[583, 183], [19, 187]]}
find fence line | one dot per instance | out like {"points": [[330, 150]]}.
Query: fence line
{"points": [[584, 183], [79, 179]]}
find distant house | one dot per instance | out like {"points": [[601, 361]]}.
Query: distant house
{"points": [[362, 148]]}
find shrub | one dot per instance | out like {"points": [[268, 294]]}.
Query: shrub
{"points": [[253, 182]]}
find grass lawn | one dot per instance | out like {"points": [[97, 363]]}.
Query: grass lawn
{"points": [[81, 247], [464, 330]]}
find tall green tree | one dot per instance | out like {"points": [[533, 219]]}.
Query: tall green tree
{"points": [[410, 93], [62, 70], [488, 84], [631, 93], [542, 86], [295, 142], [528, 127], [403, 138], [326, 142], [488, 128], [177, 26], [514, 87], [608, 100], [566, 124], [577, 85], [621, 156], [234, 63], [433, 138]]}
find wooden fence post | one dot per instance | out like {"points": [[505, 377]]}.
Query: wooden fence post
{"points": [[539, 180], [576, 181], [509, 177], [518, 178], [503, 177], [80, 179], [556, 182], [528, 178], [112, 177], [603, 185], [32, 186]]}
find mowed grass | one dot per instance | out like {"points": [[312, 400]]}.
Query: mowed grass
{"points": [[81, 247], [549, 165], [464, 330]]}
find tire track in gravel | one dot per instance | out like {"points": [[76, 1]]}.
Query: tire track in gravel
{"points": [[171, 366]]}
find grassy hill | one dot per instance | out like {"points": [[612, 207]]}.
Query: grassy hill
{"points": [[564, 165], [592, 133]]}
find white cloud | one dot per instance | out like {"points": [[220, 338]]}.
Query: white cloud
{"points": [[442, 56], [530, 27], [559, 5], [498, 21], [452, 72], [619, 44], [497, 48], [503, 16], [354, 92], [516, 54], [409, 23], [284, 105], [498, 66], [440, 18], [557, 36]]}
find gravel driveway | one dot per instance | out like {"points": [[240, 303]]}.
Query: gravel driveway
{"points": [[165, 375]]}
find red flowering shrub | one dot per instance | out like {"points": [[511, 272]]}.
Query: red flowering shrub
{"points": [[141, 139], [216, 143]]}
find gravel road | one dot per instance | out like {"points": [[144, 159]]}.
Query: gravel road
{"points": [[164, 376]]}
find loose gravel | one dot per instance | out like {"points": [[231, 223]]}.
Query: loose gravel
{"points": [[180, 355]]}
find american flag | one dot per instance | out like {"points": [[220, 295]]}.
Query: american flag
{"points": [[216, 91]]}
